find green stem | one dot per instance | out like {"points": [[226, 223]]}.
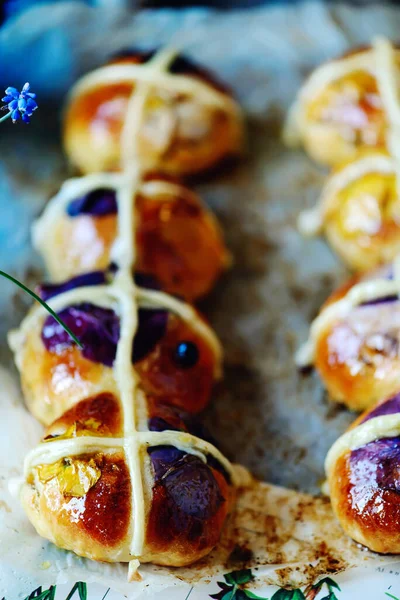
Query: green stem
{"points": [[44, 304], [7, 116], [72, 592]]}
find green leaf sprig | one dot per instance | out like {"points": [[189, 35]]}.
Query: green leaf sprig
{"points": [[283, 594], [79, 587], [330, 584], [232, 589], [38, 594], [44, 304], [79, 590]]}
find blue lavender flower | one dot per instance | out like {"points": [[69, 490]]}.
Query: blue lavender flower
{"points": [[20, 105]]}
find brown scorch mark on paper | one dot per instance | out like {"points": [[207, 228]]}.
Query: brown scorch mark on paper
{"points": [[294, 534]]}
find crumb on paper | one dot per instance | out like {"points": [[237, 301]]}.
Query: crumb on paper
{"points": [[133, 571]]}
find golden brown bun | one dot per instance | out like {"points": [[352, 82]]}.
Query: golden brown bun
{"points": [[91, 513], [360, 519], [178, 136], [361, 219], [96, 525], [357, 356], [178, 242], [364, 492], [102, 532], [347, 114], [54, 381]]}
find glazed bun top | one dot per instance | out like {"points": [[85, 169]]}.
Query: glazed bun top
{"points": [[160, 107], [348, 103]]}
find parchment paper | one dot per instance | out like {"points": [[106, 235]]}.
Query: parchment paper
{"points": [[286, 537], [267, 416]]}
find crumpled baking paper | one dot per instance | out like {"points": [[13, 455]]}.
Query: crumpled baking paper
{"points": [[288, 538], [266, 415]]}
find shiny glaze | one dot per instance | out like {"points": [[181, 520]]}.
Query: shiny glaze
{"points": [[81, 244], [98, 520], [162, 417], [177, 242], [161, 378], [180, 244], [362, 221], [99, 415], [343, 106], [107, 508], [97, 328], [54, 381], [96, 118], [351, 105], [358, 358], [188, 510], [189, 502], [178, 135], [364, 487]]}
